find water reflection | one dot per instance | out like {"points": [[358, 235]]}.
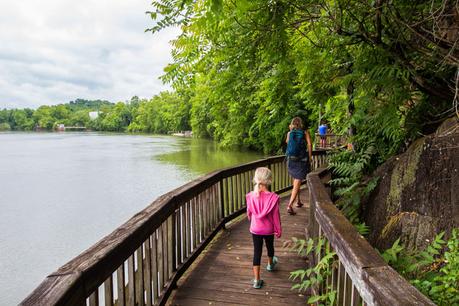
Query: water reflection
{"points": [[203, 156], [62, 192]]}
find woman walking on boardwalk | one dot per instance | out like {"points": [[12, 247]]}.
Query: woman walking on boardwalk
{"points": [[298, 158], [264, 216]]}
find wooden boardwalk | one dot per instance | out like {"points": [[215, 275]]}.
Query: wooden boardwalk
{"points": [[137, 263], [222, 275]]}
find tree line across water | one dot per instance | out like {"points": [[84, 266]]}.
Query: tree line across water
{"points": [[163, 113]]}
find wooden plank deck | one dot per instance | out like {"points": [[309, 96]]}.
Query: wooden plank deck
{"points": [[222, 275]]}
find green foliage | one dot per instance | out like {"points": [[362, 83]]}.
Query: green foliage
{"points": [[43, 117], [117, 119], [391, 255], [164, 113], [16, 119], [79, 118], [47, 117], [5, 126], [434, 271], [349, 169], [316, 276], [250, 66], [82, 104], [22, 120]]}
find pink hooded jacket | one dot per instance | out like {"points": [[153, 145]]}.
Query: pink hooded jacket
{"points": [[263, 213]]}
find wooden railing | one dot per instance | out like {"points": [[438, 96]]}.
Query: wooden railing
{"points": [[332, 141], [359, 275], [141, 261]]}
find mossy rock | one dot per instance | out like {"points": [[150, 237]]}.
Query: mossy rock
{"points": [[418, 194]]}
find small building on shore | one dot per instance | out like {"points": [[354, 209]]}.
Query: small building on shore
{"points": [[93, 115]]}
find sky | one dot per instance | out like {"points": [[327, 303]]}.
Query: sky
{"points": [[55, 51]]}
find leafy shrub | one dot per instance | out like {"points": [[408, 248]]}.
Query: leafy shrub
{"points": [[4, 127], [348, 170], [434, 271], [316, 276]]}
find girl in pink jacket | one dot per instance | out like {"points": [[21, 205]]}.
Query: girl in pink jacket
{"points": [[263, 213]]}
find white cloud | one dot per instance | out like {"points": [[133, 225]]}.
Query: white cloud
{"points": [[54, 51]]}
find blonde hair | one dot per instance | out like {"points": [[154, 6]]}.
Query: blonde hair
{"points": [[297, 123], [263, 176]]}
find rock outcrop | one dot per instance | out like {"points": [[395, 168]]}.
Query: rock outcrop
{"points": [[418, 193]]}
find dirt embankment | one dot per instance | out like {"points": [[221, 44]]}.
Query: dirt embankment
{"points": [[418, 192]]}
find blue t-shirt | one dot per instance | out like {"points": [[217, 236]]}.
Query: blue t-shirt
{"points": [[323, 130]]}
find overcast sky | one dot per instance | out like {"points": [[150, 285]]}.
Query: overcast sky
{"points": [[55, 51]]}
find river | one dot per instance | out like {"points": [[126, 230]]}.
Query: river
{"points": [[62, 192]]}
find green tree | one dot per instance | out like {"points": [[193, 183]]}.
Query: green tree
{"points": [[60, 112], [43, 117], [252, 65], [117, 119], [165, 112], [22, 119], [79, 118]]}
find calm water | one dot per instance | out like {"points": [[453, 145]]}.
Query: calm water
{"points": [[62, 192]]}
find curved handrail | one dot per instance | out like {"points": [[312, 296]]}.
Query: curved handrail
{"points": [[140, 262], [331, 140], [360, 273]]}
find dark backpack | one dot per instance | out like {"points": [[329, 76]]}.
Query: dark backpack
{"points": [[296, 146]]}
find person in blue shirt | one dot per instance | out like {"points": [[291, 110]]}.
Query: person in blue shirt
{"points": [[323, 134]]}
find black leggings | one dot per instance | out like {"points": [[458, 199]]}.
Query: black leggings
{"points": [[258, 247]]}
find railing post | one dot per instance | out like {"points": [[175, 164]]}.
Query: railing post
{"points": [[222, 201], [313, 226], [173, 243]]}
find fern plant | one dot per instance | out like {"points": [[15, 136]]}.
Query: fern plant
{"points": [[315, 277], [434, 271], [348, 170]]}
